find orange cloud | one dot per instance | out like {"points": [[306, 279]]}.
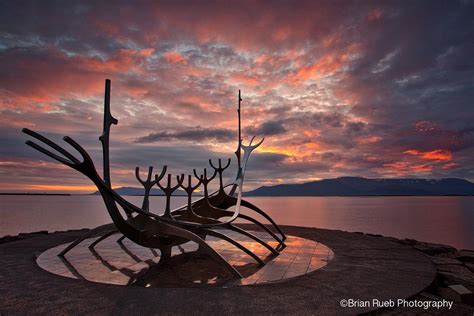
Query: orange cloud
{"points": [[330, 40], [451, 165], [147, 52], [369, 140], [400, 168], [245, 79], [285, 150], [326, 65], [54, 75], [175, 58], [312, 133], [439, 154], [128, 60]]}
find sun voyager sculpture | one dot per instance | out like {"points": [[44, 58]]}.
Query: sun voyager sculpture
{"points": [[209, 215]]}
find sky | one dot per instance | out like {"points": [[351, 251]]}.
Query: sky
{"points": [[379, 89]]}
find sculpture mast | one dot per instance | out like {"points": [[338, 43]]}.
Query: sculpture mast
{"points": [[104, 138], [237, 152]]}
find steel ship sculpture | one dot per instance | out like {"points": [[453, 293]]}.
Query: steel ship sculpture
{"points": [[209, 215]]}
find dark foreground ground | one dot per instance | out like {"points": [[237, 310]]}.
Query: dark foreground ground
{"points": [[365, 267]]}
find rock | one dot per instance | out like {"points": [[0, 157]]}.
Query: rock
{"points": [[392, 239], [457, 293], [6, 238], [411, 241], [374, 235], [444, 260], [435, 249], [32, 234], [451, 274], [22, 236], [466, 255], [470, 266]]}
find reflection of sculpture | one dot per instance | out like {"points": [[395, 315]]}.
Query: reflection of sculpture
{"points": [[191, 222]]}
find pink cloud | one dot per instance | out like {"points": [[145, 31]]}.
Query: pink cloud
{"points": [[438, 154], [175, 58]]}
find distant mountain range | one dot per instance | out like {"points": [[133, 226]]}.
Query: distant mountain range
{"points": [[349, 186], [357, 186]]}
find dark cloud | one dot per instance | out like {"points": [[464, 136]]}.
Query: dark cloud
{"points": [[197, 134], [267, 129], [355, 127]]}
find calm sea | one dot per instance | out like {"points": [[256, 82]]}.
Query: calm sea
{"points": [[448, 220]]}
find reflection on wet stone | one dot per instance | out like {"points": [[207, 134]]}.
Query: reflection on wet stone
{"points": [[129, 264]]}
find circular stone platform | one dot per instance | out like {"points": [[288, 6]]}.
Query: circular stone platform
{"points": [[126, 263], [363, 267]]}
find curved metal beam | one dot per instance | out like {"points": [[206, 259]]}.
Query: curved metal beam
{"points": [[256, 222], [256, 209], [90, 233], [246, 233], [101, 238], [235, 243]]}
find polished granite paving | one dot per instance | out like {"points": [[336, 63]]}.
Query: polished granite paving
{"points": [[129, 264]]}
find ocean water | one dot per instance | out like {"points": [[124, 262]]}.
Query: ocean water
{"points": [[447, 220]]}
